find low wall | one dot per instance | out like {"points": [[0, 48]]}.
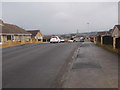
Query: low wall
{"points": [[11, 43]]}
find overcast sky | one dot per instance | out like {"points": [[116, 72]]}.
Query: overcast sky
{"points": [[61, 17]]}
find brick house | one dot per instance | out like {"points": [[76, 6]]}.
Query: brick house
{"points": [[116, 31], [116, 36], [36, 35], [10, 32]]}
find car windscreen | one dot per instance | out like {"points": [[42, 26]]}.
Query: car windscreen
{"points": [[54, 37]]}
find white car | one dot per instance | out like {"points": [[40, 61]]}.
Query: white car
{"points": [[70, 40], [54, 39], [62, 40]]}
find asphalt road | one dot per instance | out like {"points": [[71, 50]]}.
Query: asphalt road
{"points": [[94, 67], [35, 65]]}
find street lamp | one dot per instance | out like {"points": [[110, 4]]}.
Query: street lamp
{"points": [[88, 25], [88, 29], [77, 32]]}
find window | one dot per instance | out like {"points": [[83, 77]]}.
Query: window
{"points": [[12, 37], [20, 37], [27, 38], [8, 37]]}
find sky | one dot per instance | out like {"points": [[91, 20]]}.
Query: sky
{"points": [[61, 17]]}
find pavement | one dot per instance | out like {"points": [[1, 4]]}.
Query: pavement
{"points": [[35, 65], [94, 67]]}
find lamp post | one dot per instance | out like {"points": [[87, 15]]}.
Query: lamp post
{"points": [[88, 25], [77, 32], [88, 29]]}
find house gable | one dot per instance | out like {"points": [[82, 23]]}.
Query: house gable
{"points": [[116, 32], [39, 34], [36, 34]]}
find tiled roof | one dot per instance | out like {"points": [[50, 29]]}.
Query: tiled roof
{"points": [[34, 32], [103, 33], [118, 26], [12, 29], [111, 30], [15, 29]]}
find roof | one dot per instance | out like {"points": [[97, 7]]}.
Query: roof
{"points": [[34, 32], [103, 33], [118, 26], [1, 22], [111, 30], [11, 29]]}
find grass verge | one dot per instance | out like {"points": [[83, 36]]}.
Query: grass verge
{"points": [[109, 48]]}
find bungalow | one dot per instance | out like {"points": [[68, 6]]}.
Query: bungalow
{"points": [[116, 31], [13, 33], [36, 35], [116, 36]]}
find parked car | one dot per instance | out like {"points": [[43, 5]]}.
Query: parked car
{"points": [[82, 39], [54, 39], [76, 40], [70, 40], [62, 40]]}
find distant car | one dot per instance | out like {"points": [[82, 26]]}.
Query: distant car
{"points": [[70, 40], [82, 40], [62, 40], [76, 40], [54, 39]]}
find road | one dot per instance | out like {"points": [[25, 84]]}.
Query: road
{"points": [[35, 65], [94, 67]]}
